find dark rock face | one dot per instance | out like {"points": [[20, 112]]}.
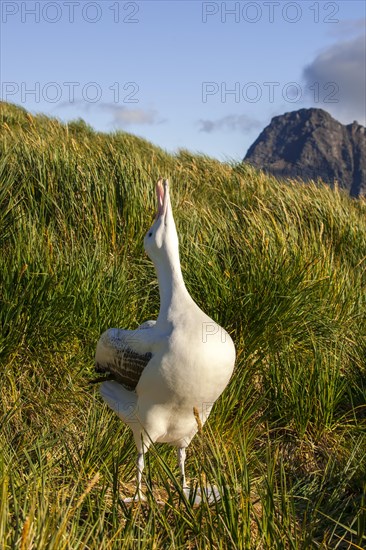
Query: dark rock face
{"points": [[310, 144]]}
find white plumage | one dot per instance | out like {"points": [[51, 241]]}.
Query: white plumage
{"points": [[164, 370]]}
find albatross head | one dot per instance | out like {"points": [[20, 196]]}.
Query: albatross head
{"points": [[161, 241]]}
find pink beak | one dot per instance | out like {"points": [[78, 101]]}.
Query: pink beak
{"points": [[160, 191]]}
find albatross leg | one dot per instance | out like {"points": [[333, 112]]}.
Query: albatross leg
{"points": [[181, 461], [140, 469], [140, 463]]}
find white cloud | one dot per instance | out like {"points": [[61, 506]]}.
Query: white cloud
{"points": [[233, 123], [121, 115], [127, 116], [344, 65]]}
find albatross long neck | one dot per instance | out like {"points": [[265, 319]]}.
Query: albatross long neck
{"points": [[173, 293]]}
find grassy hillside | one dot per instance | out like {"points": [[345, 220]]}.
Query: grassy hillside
{"points": [[281, 266]]}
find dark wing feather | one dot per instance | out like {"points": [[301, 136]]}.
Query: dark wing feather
{"points": [[115, 356]]}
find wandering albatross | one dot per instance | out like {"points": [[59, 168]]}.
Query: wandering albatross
{"points": [[165, 370]]}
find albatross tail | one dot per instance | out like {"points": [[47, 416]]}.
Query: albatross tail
{"points": [[123, 402]]}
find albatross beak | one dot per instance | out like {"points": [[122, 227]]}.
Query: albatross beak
{"points": [[162, 191]]}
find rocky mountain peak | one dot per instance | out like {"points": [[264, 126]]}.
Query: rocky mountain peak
{"points": [[310, 144]]}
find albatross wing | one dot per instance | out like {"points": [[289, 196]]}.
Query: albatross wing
{"points": [[120, 353]]}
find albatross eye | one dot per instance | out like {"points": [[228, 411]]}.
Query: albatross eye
{"points": [[150, 234]]}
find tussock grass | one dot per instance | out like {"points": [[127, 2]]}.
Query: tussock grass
{"points": [[280, 265]]}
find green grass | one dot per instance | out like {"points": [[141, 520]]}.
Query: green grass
{"points": [[280, 265]]}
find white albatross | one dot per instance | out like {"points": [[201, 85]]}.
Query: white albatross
{"points": [[165, 369]]}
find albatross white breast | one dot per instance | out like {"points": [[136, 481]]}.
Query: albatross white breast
{"points": [[165, 369]]}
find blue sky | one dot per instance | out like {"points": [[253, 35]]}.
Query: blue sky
{"points": [[205, 76]]}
